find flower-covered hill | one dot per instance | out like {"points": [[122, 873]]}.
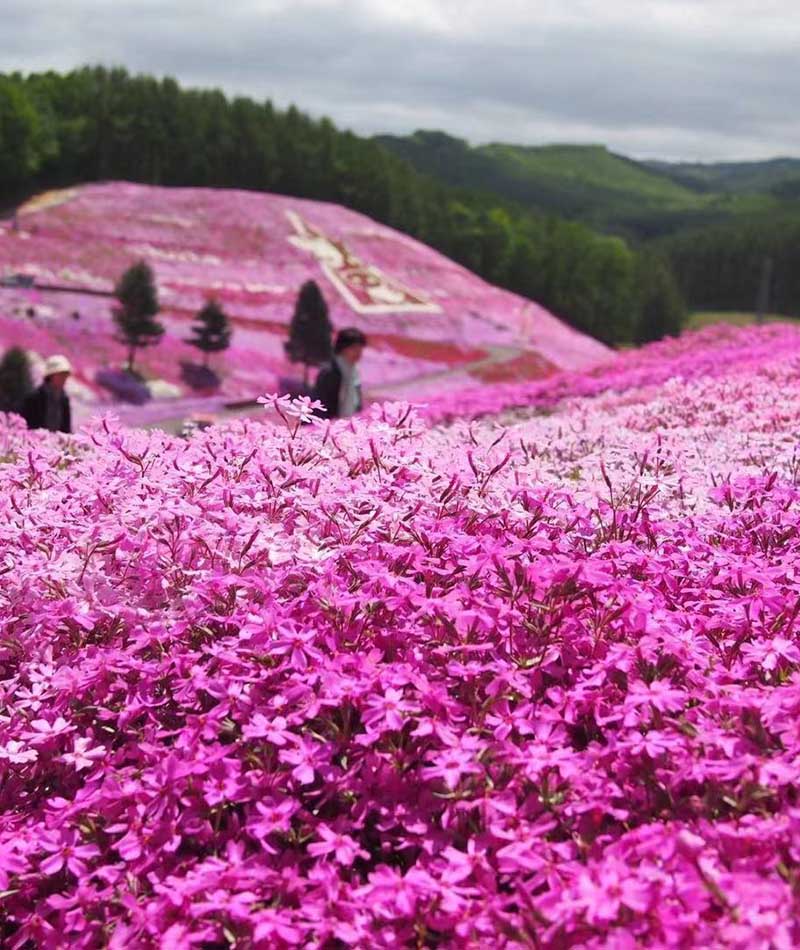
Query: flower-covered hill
{"points": [[423, 313], [382, 684]]}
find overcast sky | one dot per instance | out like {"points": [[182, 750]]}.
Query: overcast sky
{"points": [[676, 79]]}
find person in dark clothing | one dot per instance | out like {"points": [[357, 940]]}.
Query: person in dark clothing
{"points": [[48, 406], [338, 385]]}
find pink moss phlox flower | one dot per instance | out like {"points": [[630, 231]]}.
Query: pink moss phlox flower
{"points": [[84, 755], [343, 848], [17, 752], [533, 678], [304, 757], [42, 730], [66, 852], [387, 711], [272, 729], [455, 760]]}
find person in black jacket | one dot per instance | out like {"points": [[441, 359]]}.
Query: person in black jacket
{"points": [[338, 385], [48, 406]]}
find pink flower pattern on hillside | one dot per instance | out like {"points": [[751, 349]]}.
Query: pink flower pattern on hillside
{"points": [[529, 680], [424, 314]]}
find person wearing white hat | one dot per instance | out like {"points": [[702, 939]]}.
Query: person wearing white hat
{"points": [[48, 406]]}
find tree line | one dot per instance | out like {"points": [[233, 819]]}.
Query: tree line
{"points": [[721, 267], [96, 123]]}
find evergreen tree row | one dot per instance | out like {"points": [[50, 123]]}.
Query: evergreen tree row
{"points": [[97, 124], [136, 318], [721, 267]]}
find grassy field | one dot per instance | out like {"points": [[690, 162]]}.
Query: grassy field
{"points": [[701, 319]]}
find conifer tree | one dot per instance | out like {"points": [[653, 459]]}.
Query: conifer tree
{"points": [[16, 379], [212, 331], [311, 330], [138, 306]]}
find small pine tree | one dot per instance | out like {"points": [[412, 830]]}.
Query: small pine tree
{"points": [[311, 330], [138, 306], [16, 379], [212, 331]]}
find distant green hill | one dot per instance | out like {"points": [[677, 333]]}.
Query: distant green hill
{"points": [[591, 168], [776, 175], [607, 191]]}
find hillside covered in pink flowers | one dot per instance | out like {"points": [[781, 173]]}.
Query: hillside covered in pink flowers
{"points": [[527, 679], [427, 318]]}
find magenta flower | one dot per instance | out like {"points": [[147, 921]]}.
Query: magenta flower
{"points": [[344, 848], [273, 815], [41, 730], [387, 711], [66, 852], [304, 758], [17, 752], [83, 755], [603, 900], [769, 655], [10, 863], [453, 762], [223, 782], [273, 729], [272, 925]]}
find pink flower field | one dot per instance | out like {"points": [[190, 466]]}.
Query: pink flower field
{"points": [[530, 680], [424, 314]]}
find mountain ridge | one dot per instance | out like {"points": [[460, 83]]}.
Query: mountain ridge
{"points": [[600, 187]]}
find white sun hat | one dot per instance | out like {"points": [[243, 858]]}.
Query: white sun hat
{"points": [[56, 364]]}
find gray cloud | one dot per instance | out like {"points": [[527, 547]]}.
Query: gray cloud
{"points": [[707, 79]]}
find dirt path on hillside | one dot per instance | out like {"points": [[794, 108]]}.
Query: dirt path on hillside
{"points": [[496, 355]]}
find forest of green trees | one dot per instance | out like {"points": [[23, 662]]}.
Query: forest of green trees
{"points": [[720, 267], [715, 223], [100, 124]]}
